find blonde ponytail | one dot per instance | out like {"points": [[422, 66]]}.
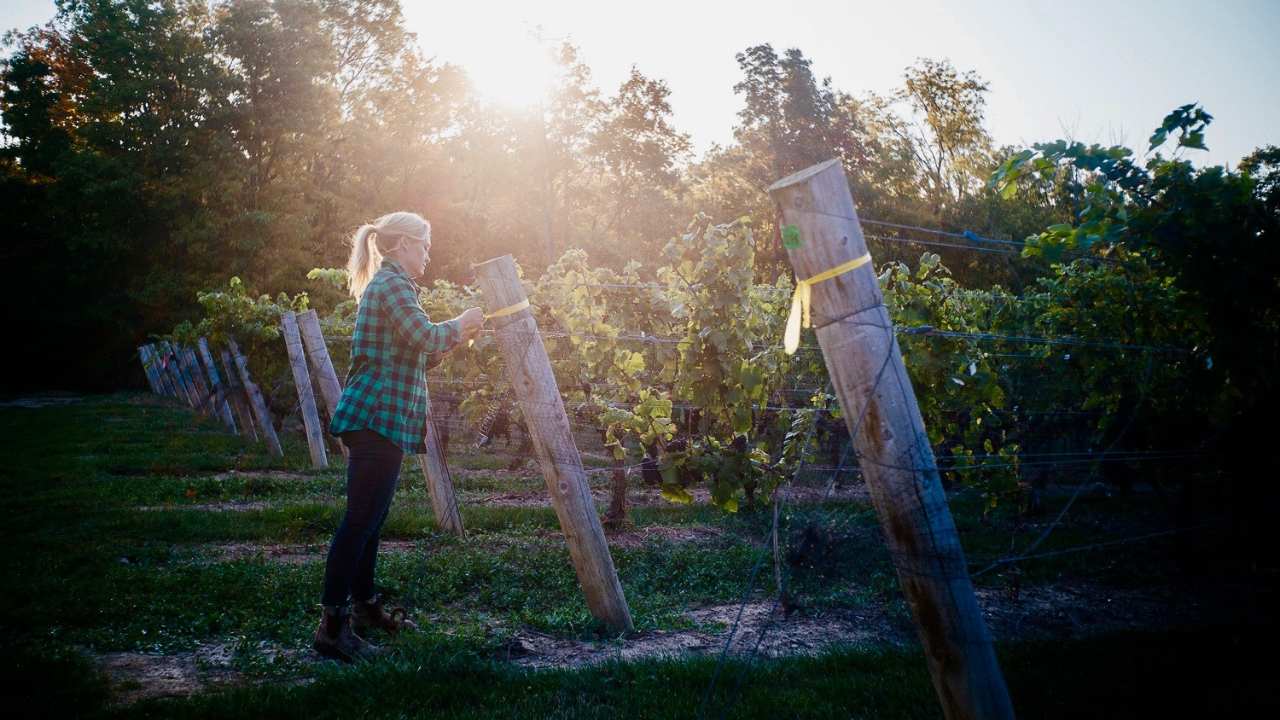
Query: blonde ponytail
{"points": [[372, 240]]}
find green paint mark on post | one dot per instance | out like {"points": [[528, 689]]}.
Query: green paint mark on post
{"points": [[791, 237]]}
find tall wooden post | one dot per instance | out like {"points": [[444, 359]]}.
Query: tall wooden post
{"points": [[173, 366], [529, 371], [162, 376], [256, 401], [221, 404], [326, 377], [147, 370], [865, 365], [306, 395], [440, 483], [322, 372], [191, 367], [238, 398]]}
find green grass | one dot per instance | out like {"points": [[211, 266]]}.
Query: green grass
{"points": [[93, 570], [1131, 676]]}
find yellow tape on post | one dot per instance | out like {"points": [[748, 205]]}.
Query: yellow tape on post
{"points": [[800, 301], [508, 310]]}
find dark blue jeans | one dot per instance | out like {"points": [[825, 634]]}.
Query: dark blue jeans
{"points": [[373, 469]]}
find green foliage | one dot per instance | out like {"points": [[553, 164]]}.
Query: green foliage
{"points": [[1199, 243], [254, 324]]}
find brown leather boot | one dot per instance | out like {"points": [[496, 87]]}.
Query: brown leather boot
{"points": [[370, 614], [336, 639]]}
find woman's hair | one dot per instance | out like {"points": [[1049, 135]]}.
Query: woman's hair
{"points": [[373, 240]]}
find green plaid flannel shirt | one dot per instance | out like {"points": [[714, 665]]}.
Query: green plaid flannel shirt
{"points": [[393, 345]]}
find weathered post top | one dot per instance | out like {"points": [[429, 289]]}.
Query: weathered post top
{"points": [[818, 202], [501, 281]]}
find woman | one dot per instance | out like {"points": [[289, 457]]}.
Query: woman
{"points": [[382, 415]]}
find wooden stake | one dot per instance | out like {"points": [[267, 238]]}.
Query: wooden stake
{"points": [[326, 378], [306, 395], [260, 412], [440, 483], [865, 365], [322, 372], [220, 402], [238, 398], [157, 366], [529, 371], [172, 365], [191, 367], [152, 382]]}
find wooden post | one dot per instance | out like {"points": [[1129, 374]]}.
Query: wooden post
{"points": [[191, 367], [306, 395], [529, 371], [153, 380], [440, 483], [256, 402], [238, 398], [865, 366], [157, 365], [326, 378], [321, 365], [171, 363], [221, 405]]}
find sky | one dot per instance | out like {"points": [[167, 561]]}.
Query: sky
{"points": [[1088, 70]]}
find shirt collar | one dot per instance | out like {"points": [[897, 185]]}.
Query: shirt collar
{"points": [[394, 266]]}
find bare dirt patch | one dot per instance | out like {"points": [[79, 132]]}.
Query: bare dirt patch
{"points": [[651, 534], [141, 676], [288, 554], [766, 630], [759, 628], [763, 629]]}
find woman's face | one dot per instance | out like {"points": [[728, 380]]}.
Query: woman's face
{"points": [[413, 255]]}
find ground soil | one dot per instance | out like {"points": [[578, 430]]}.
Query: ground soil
{"points": [[759, 628]]}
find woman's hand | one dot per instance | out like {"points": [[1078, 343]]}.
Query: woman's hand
{"points": [[471, 322]]}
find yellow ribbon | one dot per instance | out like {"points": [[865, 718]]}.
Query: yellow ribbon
{"points": [[800, 301], [508, 310]]}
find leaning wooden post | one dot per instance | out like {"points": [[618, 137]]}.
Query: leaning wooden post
{"points": [[306, 395], [152, 381], [157, 365], [440, 482], [191, 367], [865, 366], [172, 364], [259, 405], [221, 404], [238, 398], [326, 378], [529, 371], [321, 365]]}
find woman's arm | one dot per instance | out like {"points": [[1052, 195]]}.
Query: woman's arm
{"points": [[411, 324]]}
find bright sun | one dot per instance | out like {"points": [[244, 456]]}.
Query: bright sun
{"points": [[517, 71]]}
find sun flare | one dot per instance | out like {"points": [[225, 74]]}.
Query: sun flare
{"points": [[519, 70]]}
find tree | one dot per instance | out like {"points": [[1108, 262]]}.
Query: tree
{"points": [[1213, 234], [789, 121], [944, 134], [640, 154]]}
